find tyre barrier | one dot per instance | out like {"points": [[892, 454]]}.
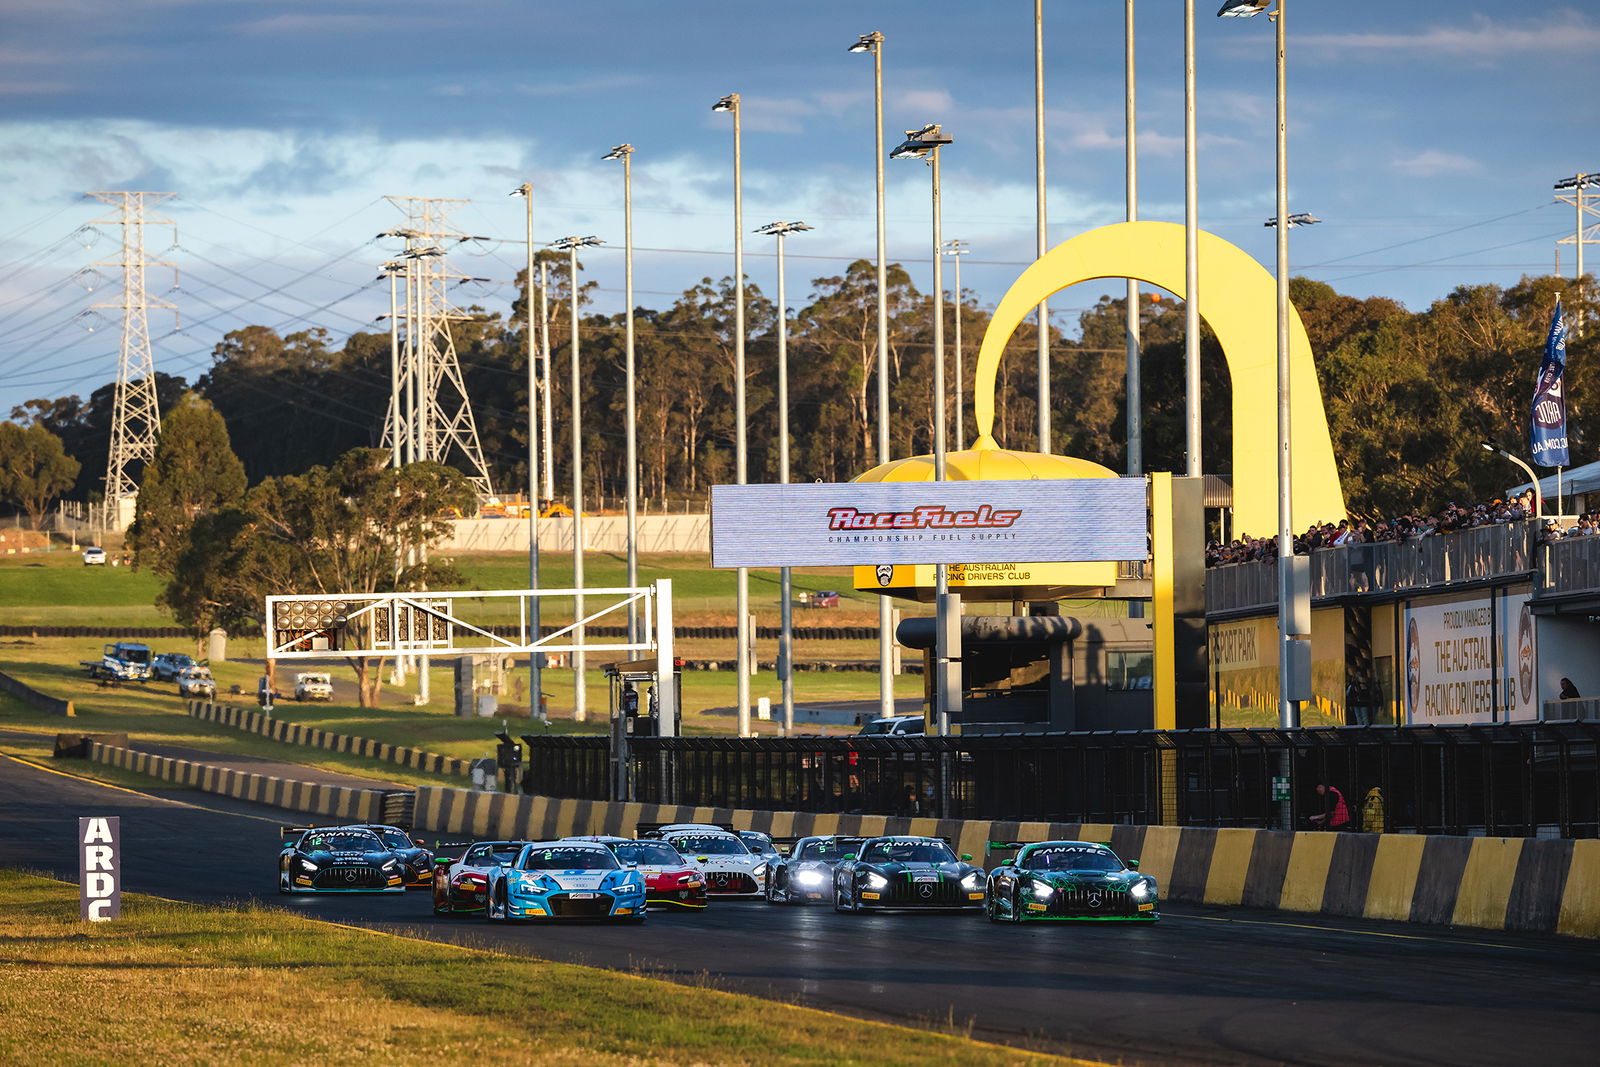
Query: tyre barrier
{"points": [[110, 633], [1496, 883], [314, 798], [295, 733]]}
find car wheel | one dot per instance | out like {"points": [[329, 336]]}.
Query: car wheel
{"points": [[1016, 905], [990, 908], [441, 902], [283, 882], [839, 900], [495, 908]]}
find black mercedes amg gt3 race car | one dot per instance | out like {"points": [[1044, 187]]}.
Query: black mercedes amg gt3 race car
{"points": [[338, 859], [914, 873]]}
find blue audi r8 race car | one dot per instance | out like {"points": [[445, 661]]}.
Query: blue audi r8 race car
{"points": [[566, 880], [337, 859], [1068, 880]]}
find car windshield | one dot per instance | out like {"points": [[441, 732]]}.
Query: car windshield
{"points": [[492, 854], [1072, 858], [569, 859], [886, 727], [903, 851], [710, 845], [828, 849], [647, 853], [394, 838], [178, 659], [759, 842], [136, 655], [342, 841]]}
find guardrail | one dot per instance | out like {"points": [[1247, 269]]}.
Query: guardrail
{"points": [[1517, 780], [1488, 882], [334, 801], [295, 733], [33, 698]]}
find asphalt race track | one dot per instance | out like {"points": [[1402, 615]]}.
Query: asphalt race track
{"points": [[1203, 986]]}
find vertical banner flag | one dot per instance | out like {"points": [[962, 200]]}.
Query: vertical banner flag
{"points": [[100, 868], [1549, 402]]}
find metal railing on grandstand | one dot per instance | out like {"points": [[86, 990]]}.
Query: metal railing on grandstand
{"points": [[1571, 567], [1518, 780], [1481, 554]]}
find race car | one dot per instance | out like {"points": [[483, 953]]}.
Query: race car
{"points": [[906, 872], [668, 877], [723, 859], [417, 858], [806, 873], [1068, 880], [566, 880], [462, 884], [337, 859]]}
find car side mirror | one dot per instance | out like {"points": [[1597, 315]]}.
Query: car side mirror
{"points": [[848, 856], [1133, 865], [442, 861], [967, 856]]}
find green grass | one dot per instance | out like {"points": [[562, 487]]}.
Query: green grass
{"points": [[257, 984], [56, 589]]}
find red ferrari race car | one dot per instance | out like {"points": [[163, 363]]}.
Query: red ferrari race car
{"points": [[668, 877]]}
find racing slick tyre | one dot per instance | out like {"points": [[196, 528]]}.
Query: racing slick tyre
{"points": [[990, 910], [1016, 906], [839, 903], [495, 909], [445, 908], [283, 883]]}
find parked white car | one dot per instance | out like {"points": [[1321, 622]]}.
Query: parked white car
{"points": [[196, 682], [313, 686], [94, 557]]}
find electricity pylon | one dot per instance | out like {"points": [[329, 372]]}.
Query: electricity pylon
{"points": [[435, 416], [136, 416]]}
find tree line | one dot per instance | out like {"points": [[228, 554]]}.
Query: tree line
{"points": [[1409, 395]]}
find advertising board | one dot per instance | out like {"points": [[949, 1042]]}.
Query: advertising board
{"points": [[891, 523], [1470, 661]]}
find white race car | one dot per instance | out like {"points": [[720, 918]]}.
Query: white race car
{"points": [[730, 868]]}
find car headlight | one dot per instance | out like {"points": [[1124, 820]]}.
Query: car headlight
{"points": [[759, 870], [972, 882], [307, 866], [877, 881], [1140, 890], [391, 865], [1042, 890], [810, 878]]}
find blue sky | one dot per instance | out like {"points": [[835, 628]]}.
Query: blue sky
{"points": [[1426, 135]]}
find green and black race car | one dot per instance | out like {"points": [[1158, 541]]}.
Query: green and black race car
{"points": [[1068, 880]]}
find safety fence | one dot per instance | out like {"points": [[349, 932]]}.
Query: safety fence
{"points": [[295, 733], [1519, 780], [1495, 883]]}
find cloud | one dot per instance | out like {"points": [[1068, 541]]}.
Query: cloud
{"points": [[1478, 37], [1433, 163]]}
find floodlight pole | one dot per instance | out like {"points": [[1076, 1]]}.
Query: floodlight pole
{"points": [[624, 152], [1041, 240], [549, 383], [730, 103], [955, 249], [786, 585], [535, 659], [1134, 417], [873, 42], [580, 698], [1193, 466]]}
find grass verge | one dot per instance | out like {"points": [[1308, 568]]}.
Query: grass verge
{"points": [[193, 985]]}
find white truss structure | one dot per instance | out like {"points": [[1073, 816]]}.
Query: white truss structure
{"points": [[430, 414], [462, 623], [136, 414]]}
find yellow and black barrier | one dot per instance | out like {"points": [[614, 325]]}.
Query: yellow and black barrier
{"points": [[1496, 883], [315, 798], [295, 733]]}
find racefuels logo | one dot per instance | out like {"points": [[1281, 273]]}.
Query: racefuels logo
{"points": [[930, 517]]}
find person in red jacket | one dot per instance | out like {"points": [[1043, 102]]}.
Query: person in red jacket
{"points": [[1335, 812]]}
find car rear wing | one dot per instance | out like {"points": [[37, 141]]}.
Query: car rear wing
{"points": [[1005, 846], [653, 829], [290, 834]]}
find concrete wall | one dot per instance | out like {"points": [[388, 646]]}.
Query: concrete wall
{"points": [[334, 801], [295, 733], [1489, 882]]}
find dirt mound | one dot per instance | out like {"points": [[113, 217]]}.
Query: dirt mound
{"points": [[23, 540]]}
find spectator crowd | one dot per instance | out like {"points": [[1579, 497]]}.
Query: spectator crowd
{"points": [[1407, 527]]}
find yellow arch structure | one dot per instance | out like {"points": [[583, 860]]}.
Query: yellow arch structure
{"points": [[1239, 301]]}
